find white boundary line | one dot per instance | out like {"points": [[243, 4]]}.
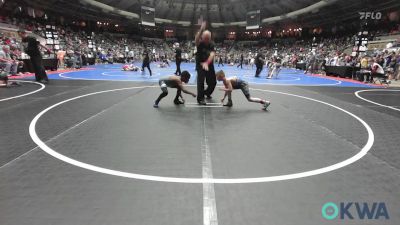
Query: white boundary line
{"points": [[18, 158], [283, 75], [62, 75], [300, 75], [150, 79], [126, 75], [79, 78], [208, 103], [204, 106], [53, 138], [29, 93], [209, 202], [58, 135], [358, 156], [357, 93], [305, 85], [337, 81]]}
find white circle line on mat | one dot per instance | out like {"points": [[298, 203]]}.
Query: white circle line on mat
{"points": [[96, 79], [42, 86], [279, 79], [127, 74], [149, 79], [357, 93], [47, 149]]}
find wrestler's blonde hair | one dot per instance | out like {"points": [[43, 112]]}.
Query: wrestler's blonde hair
{"points": [[220, 74]]}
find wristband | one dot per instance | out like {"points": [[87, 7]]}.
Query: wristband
{"points": [[209, 61]]}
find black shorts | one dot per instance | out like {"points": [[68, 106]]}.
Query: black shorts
{"points": [[244, 86]]}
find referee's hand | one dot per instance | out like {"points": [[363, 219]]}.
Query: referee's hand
{"points": [[205, 66], [203, 25]]}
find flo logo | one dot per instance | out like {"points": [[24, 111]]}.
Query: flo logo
{"points": [[370, 15], [355, 210]]}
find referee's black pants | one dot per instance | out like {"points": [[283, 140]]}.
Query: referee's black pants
{"points": [[211, 80], [146, 65], [259, 69], [38, 68], [178, 67]]}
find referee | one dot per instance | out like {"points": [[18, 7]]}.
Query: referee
{"points": [[146, 62], [178, 59], [32, 49], [259, 64], [204, 64]]}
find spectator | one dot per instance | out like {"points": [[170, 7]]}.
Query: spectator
{"points": [[376, 70], [8, 65], [397, 68], [60, 57]]}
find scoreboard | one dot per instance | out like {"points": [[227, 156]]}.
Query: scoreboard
{"points": [[253, 20], [148, 15]]}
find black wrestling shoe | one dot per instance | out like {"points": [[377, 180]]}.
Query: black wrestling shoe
{"points": [[202, 102], [266, 104], [229, 104], [208, 97], [178, 102], [44, 81]]}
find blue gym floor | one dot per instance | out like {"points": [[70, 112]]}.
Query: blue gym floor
{"points": [[113, 72]]}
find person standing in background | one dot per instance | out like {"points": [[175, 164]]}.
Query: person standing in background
{"points": [[10, 65], [178, 59], [146, 62], [32, 49], [259, 64], [220, 61], [60, 56], [241, 62]]}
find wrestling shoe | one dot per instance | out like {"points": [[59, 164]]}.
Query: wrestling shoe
{"points": [[44, 81], [178, 102], [266, 104], [155, 105], [229, 104], [202, 102]]}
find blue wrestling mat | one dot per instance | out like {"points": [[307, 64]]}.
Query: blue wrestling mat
{"points": [[293, 77]]}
